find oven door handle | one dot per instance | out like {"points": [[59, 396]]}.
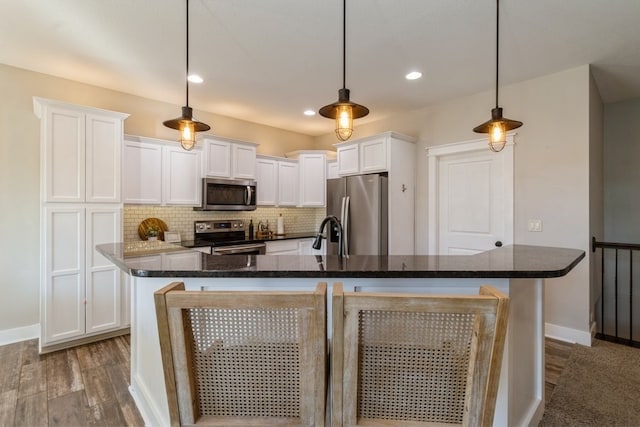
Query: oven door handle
{"points": [[230, 250]]}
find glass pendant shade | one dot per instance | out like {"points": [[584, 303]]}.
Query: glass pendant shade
{"points": [[344, 112], [497, 129], [187, 127], [344, 122]]}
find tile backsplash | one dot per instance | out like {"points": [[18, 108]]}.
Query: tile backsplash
{"points": [[181, 218]]}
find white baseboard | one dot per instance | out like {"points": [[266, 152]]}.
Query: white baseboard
{"points": [[9, 336], [563, 333]]}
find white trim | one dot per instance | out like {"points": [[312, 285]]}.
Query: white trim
{"points": [[23, 333], [433, 157], [562, 333]]}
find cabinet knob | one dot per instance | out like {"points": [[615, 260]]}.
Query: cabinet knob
{"points": [[498, 243]]}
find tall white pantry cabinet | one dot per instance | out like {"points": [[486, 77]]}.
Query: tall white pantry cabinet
{"points": [[81, 293]]}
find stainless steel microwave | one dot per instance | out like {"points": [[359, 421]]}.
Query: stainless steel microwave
{"points": [[228, 194]]}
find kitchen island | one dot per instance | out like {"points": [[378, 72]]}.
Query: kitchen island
{"points": [[517, 270]]}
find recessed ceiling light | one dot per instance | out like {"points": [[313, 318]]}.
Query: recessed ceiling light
{"points": [[309, 113], [413, 75], [194, 78]]}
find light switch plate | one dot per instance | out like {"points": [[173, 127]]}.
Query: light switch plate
{"points": [[535, 225]]}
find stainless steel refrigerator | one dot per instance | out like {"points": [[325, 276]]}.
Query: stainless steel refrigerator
{"points": [[360, 202]]}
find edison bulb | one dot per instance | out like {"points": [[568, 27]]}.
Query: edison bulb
{"points": [[497, 136], [344, 122], [188, 135]]}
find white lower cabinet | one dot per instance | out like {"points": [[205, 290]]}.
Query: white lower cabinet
{"points": [[81, 290], [305, 247], [282, 247], [293, 247]]}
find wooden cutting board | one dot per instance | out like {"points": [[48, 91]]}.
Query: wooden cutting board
{"points": [[149, 222]]}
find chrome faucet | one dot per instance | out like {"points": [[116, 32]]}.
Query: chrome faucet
{"points": [[317, 244]]}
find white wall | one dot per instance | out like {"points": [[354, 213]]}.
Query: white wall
{"points": [[552, 183], [622, 171]]}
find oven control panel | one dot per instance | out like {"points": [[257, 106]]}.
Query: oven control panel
{"points": [[218, 226]]}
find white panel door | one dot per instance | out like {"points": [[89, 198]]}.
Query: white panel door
{"points": [[64, 155], [103, 285], [471, 199], [63, 293], [103, 159]]}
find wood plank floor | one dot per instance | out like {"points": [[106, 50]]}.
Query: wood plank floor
{"points": [[83, 386], [88, 385]]}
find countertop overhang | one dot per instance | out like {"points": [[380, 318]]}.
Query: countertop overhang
{"points": [[513, 261]]}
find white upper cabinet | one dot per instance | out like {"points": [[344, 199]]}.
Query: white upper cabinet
{"points": [[159, 172], [287, 183], [243, 161], [313, 175], [82, 151], [373, 154], [142, 172], [226, 158], [267, 179], [181, 177], [277, 180], [348, 159]]}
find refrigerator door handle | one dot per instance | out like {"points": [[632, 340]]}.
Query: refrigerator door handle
{"points": [[345, 225]]}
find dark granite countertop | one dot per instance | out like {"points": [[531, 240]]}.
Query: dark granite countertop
{"points": [[515, 261]]}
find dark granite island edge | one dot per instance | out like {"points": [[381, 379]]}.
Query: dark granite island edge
{"points": [[513, 261]]}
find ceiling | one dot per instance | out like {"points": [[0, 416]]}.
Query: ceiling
{"points": [[267, 61]]}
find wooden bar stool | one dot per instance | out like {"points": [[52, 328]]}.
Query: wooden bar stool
{"points": [[415, 359], [243, 358]]}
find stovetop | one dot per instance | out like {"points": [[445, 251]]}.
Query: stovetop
{"points": [[219, 232]]}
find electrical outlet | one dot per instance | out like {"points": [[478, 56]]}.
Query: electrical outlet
{"points": [[535, 225]]}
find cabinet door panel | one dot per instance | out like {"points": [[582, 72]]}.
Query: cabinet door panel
{"points": [[373, 156], [287, 184], [182, 179], [217, 158], [103, 308], [103, 300], [244, 161], [312, 179], [63, 289], [64, 155], [348, 160], [103, 157], [267, 179], [142, 175]]}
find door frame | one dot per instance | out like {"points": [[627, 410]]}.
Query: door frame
{"points": [[434, 156]]}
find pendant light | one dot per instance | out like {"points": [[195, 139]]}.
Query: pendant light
{"points": [[186, 123], [344, 111], [498, 126]]}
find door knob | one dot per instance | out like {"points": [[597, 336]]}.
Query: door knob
{"points": [[498, 243]]}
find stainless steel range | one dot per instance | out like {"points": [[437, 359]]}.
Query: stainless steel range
{"points": [[225, 237]]}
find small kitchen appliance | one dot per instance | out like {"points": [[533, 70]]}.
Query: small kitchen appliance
{"points": [[228, 194]]}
